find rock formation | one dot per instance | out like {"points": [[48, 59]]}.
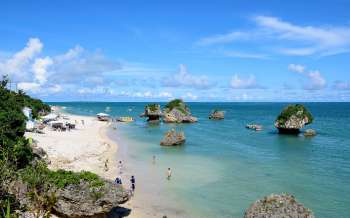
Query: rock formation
{"points": [[79, 200], [152, 112], [172, 138], [176, 111], [255, 127], [309, 132], [293, 118], [274, 206], [83, 201], [217, 115]]}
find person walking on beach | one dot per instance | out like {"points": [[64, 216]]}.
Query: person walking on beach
{"points": [[132, 180], [169, 174], [83, 122], [120, 167], [118, 181], [154, 159]]}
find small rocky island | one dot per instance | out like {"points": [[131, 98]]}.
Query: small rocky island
{"points": [[176, 111], [292, 119], [283, 205], [173, 138], [153, 113], [217, 115]]}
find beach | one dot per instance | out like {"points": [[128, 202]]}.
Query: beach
{"points": [[85, 148]]}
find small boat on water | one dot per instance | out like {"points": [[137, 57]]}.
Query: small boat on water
{"points": [[255, 127], [125, 119], [103, 117]]}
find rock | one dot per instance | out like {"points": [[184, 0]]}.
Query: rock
{"points": [[79, 200], [293, 118], [309, 132], [275, 206], [172, 138], [83, 201], [217, 115], [176, 111], [152, 112]]}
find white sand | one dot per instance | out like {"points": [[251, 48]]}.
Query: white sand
{"points": [[86, 147]]}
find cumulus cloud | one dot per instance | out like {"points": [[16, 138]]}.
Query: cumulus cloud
{"points": [[76, 67], [16, 66], [185, 79], [314, 79], [296, 68], [248, 83], [39, 68], [341, 85], [297, 40]]}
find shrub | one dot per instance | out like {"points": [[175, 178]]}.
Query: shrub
{"points": [[297, 110]]}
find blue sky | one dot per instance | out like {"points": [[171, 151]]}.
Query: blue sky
{"points": [[195, 50]]}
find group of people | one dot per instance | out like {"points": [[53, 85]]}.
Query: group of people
{"points": [[118, 180]]}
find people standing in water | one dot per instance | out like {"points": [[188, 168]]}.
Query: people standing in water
{"points": [[132, 180], [154, 159], [169, 174]]}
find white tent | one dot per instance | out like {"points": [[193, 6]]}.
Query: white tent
{"points": [[50, 117]]}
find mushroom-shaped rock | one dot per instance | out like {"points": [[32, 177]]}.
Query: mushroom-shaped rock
{"points": [[309, 132], [293, 118], [152, 112], [176, 111], [274, 206], [172, 138], [217, 115]]}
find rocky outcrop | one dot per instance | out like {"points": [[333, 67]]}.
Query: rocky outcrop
{"points": [[172, 138], [79, 200], [217, 115], [152, 112], [274, 206], [255, 127], [293, 118], [176, 111], [83, 201], [309, 132]]}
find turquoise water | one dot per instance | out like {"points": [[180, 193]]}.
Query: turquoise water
{"points": [[223, 167]]}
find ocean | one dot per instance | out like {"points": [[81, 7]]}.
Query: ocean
{"points": [[224, 167]]}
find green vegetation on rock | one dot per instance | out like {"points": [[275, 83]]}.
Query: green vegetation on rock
{"points": [[152, 107], [177, 104], [297, 110]]}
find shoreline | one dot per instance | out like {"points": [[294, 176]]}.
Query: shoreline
{"points": [[85, 148]]}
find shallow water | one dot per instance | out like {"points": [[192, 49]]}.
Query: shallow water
{"points": [[223, 167]]}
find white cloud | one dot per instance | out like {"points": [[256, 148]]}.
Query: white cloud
{"points": [[296, 68], [55, 89], [184, 79], [248, 83], [40, 69], [16, 66], [315, 81], [238, 54], [190, 96], [222, 38], [288, 38], [29, 86], [342, 85]]}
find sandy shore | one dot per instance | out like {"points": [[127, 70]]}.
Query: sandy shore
{"points": [[86, 147]]}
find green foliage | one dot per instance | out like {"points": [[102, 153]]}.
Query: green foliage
{"points": [[41, 176], [297, 110], [152, 107], [178, 104]]}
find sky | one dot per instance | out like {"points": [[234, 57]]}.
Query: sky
{"points": [[195, 50]]}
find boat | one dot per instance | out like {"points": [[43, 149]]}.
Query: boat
{"points": [[255, 127], [125, 119], [103, 117]]}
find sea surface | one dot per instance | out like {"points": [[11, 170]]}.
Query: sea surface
{"points": [[224, 167]]}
